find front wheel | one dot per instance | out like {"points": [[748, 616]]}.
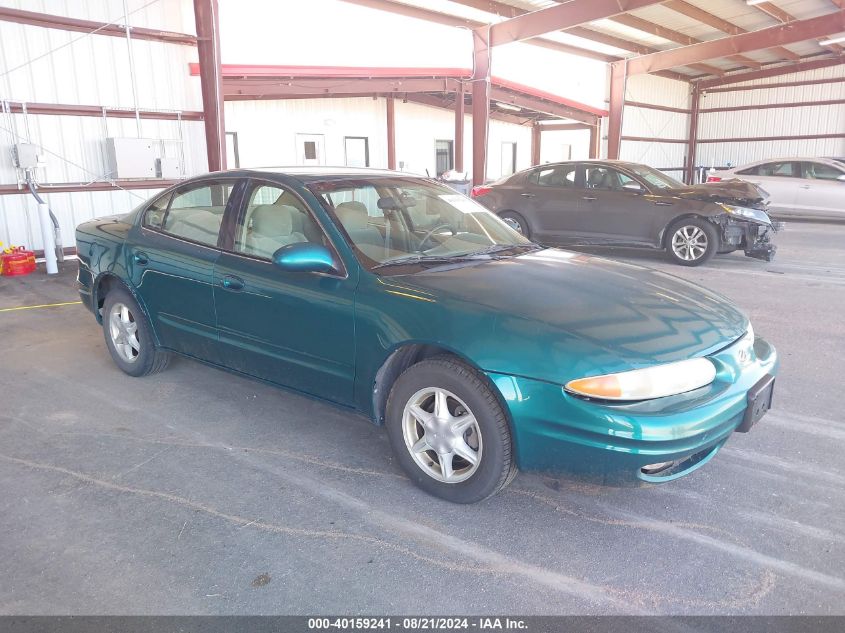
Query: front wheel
{"points": [[129, 336], [449, 432], [692, 241]]}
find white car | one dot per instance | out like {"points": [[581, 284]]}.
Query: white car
{"points": [[798, 187]]}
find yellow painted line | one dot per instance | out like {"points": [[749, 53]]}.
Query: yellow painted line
{"points": [[44, 305]]}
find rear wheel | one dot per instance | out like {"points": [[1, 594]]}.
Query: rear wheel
{"points": [[516, 222], [449, 432], [692, 241], [129, 336]]}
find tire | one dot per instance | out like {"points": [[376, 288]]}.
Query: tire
{"points": [[692, 241], [516, 222], [129, 337], [487, 438]]}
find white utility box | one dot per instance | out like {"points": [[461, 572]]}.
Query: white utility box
{"points": [[168, 168], [131, 157], [27, 156]]}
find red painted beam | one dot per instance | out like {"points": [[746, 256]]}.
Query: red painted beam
{"points": [[211, 81], [480, 104], [75, 187], [320, 72], [558, 17], [536, 140], [618, 78], [771, 72], [692, 144], [595, 140], [459, 128], [68, 109], [330, 87], [780, 35], [65, 23], [391, 133], [770, 106]]}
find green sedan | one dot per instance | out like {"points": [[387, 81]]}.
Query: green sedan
{"points": [[480, 351]]}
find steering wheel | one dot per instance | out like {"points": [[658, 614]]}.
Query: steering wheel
{"points": [[428, 235]]}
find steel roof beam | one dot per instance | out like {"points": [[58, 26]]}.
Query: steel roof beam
{"points": [[776, 71], [796, 31], [785, 18]]}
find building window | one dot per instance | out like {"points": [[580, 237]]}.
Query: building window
{"points": [[233, 156], [508, 158], [357, 151], [443, 157]]}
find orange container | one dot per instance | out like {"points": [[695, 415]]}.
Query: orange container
{"points": [[16, 261]]}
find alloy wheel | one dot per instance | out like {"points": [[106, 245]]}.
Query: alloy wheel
{"points": [[124, 332], [689, 243], [515, 225], [442, 435]]}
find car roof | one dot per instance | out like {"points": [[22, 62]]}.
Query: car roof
{"points": [[787, 159]]}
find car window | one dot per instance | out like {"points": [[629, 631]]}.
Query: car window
{"points": [[194, 214], [606, 178], [558, 176], [274, 217], [820, 171], [784, 169]]}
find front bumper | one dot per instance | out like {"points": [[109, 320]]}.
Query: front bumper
{"points": [[754, 238], [612, 442]]}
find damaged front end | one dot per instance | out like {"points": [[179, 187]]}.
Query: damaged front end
{"points": [[745, 222]]}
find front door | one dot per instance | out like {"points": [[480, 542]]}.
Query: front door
{"points": [[821, 193], [613, 214], [293, 329], [310, 149], [780, 179], [171, 262]]}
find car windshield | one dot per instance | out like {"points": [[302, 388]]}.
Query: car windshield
{"points": [[655, 178], [399, 221]]}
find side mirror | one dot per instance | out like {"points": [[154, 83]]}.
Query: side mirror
{"points": [[304, 257], [633, 187]]}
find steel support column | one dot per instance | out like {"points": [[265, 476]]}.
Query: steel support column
{"points": [[595, 140], [211, 81], [459, 127], [536, 139], [692, 143], [480, 102], [618, 77], [391, 133]]}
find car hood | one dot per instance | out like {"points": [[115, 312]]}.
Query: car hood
{"points": [[554, 314], [733, 191]]}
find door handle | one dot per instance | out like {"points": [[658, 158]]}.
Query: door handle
{"points": [[805, 186], [590, 198], [140, 258], [230, 282], [527, 195], [663, 204]]}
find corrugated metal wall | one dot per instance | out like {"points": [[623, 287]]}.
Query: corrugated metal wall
{"points": [[55, 66], [806, 120], [650, 123]]}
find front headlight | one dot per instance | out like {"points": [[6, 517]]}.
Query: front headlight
{"points": [[643, 384], [744, 212]]}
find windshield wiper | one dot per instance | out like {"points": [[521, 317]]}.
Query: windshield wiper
{"points": [[419, 259]]}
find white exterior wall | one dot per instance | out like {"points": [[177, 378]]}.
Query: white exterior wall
{"points": [[90, 70], [650, 123], [819, 119], [267, 132]]}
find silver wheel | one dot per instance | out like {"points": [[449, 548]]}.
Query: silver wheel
{"points": [[689, 243], [124, 332], [442, 435], [514, 224]]}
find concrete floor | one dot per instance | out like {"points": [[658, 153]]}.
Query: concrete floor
{"points": [[195, 491]]}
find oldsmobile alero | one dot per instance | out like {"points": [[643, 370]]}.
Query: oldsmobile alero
{"points": [[394, 296]]}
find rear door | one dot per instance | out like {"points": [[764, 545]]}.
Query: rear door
{"points": [[820, 193], [781, 179], [550, 201], [293, 329], [171, 263], [613, 214]]}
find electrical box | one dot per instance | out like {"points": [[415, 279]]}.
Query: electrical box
{"points": [[131, 157], [26, 156], [168, 168]]}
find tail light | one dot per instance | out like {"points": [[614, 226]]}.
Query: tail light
{"points": [[480, 190], [714, 179]]}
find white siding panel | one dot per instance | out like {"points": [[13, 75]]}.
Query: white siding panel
{"points": [[553, 145], [658, 91]]}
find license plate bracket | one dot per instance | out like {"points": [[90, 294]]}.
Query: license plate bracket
{"points": [[759, 402]]}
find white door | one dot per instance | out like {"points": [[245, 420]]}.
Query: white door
{"points": [[310, 149], [820, 193]]}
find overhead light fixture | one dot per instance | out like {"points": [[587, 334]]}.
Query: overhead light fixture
{"points": [[751, 3], [508, 106], [832, 40]]}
